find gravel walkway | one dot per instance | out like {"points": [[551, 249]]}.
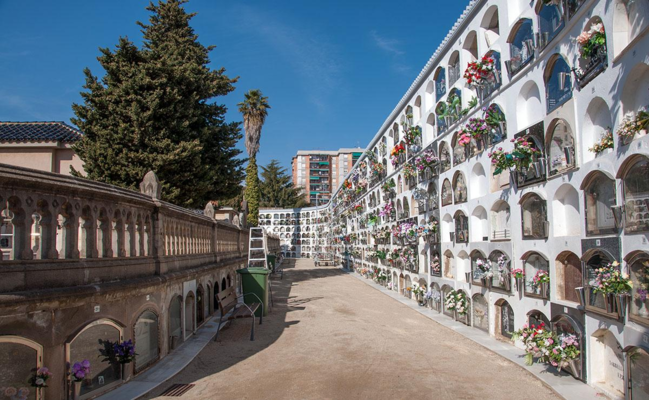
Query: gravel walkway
{"points": [[331, 336]]}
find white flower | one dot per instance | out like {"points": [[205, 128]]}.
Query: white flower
{"points": [[40, 381]]}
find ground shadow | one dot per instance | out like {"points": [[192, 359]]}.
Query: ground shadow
{"points": [[233, 344]]}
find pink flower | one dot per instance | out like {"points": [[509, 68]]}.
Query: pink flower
{"points": [[583, 38]]}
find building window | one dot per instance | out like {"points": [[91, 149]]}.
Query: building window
{"points": [[594, 262], [146, 340], [440, 83], [459, 150], [535, 220], [444, 157], [636, 196], [533, 264], [640, 295], [447, 193], [599, 195], [19, 357], [461, 227], [500, 265], [550, 22], [459, 188], [521, 46], [454, 68], [480, 311], [638, 361], [87, 345], [558, 83], [561, 148]]}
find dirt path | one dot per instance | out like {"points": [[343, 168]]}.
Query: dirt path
{"points": [[331, 336]]}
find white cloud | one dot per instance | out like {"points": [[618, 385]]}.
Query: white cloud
{"points": [[393, 48], [311, 56]]}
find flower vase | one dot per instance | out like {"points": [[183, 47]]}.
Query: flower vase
{"points": [[76, 390], [467, 276], [609, 300], [574, 366], [545, 290], [581, 295], [621, 300], [484, 282]]}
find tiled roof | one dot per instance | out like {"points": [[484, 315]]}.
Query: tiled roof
{"points": [[38, 132]]}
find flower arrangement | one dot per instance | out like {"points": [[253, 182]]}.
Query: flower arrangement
{"points": [[484, 268], [634, 124], [566, 348], [388, 187], [450, 301], [409, 171], [642, 291], [464, 138], [405, 230], [427, 229], [124, 351], [426, 160], [493, 116], [380, 254], [347, 184], [411, 133], [546, 346], [518, 273], [435, 265], [39, 377], [540, 277], [501, 160], [398, 150], [394, 256], [382, 147], [358, 207], [606, 142], [478, 72], [378, 169], [610, 280], [372, 219], [462, 303], [592, 40], [477, 128], [80, 370], [407, 255], [387, 210], [537, 340]]}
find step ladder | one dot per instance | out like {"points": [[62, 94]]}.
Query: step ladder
{"points": [[257, 248]]}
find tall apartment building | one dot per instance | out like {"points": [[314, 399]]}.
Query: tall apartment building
{"points": [[321, 172]]}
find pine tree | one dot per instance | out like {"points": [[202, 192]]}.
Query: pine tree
{"points": [[277, 190], [154, 110]]}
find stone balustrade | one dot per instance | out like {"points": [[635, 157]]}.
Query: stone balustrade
{"points": [[61, 231]]}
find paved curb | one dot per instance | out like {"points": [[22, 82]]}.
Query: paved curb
{"points": [[563, 384]]}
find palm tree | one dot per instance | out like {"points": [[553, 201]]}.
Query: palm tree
{"points": [[254, 109]]}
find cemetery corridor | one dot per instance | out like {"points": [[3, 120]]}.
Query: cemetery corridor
{"points": [[331, 336]]}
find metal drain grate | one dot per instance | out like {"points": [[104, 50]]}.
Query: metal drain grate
{"points": [[177, 389]]}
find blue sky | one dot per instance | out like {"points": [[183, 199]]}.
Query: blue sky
{"points": [[333, 70]]}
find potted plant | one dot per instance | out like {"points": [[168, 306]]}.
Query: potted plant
{"points": [[592, 43], [478, 73], [486, 272], [541, 281]]}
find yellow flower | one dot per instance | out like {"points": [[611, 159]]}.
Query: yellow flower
{"points": [[615, 263]]}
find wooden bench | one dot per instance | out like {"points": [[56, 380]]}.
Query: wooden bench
{"points": [[231, 309]]}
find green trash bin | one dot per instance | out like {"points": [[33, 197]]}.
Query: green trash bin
{"points": [[271, 259], [255, 280]]}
